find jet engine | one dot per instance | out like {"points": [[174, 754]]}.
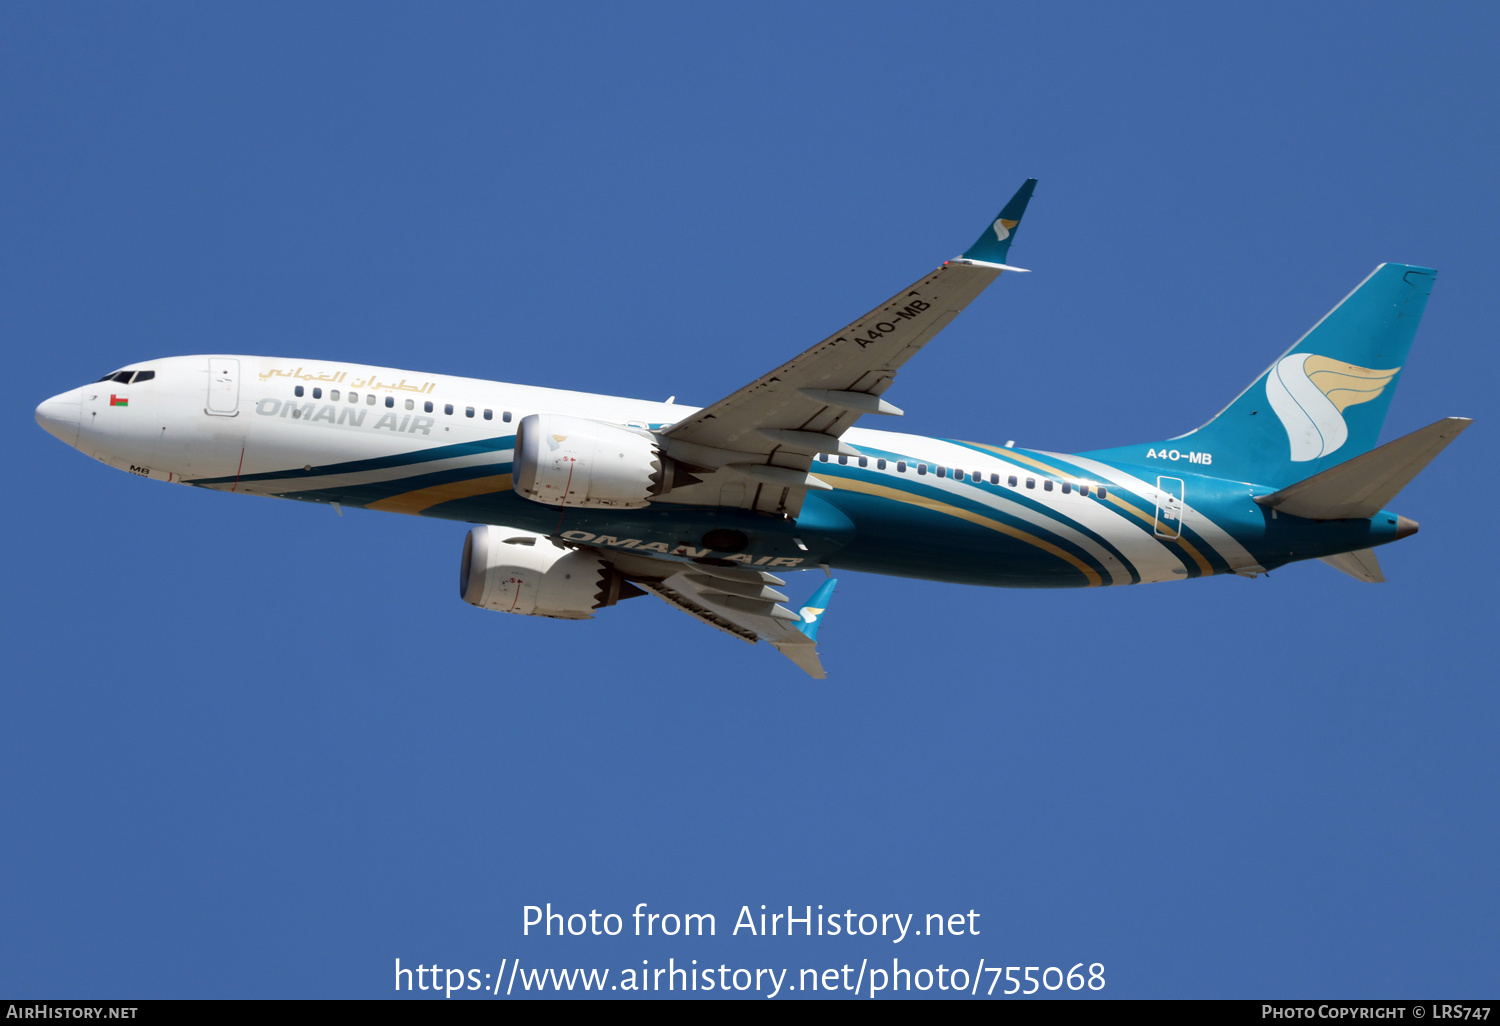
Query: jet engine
{"points": [[570, 461], [513, 571]]}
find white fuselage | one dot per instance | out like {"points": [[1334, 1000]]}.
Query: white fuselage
{"points": [[168, 428], [234, 423]]}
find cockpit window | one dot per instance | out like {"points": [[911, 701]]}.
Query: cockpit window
{"points": [[110, 376], [124, 376], [143, 376]]}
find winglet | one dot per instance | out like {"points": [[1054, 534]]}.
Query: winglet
{"points": [[812, 613], [993, 246]]}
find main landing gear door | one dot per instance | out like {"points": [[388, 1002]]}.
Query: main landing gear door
{"points": [[223, 387], [1169, 500]]}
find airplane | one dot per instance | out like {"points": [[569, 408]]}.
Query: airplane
{"points": [[580, 501]]}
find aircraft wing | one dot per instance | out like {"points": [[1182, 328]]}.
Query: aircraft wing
{"points": [[758, 443], [741, 602]]}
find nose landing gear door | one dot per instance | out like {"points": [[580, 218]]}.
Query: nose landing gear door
{"points": [[223, 387], [1169, 500]]}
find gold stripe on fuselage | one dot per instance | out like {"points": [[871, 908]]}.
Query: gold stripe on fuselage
{"points": [[1187, 546], [425, 498], [849, 484]]}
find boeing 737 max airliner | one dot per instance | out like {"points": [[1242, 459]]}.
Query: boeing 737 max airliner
{"points": [[582, 500]]}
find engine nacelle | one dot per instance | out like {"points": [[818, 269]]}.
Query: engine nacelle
{"points": [[513, 571], [570, 461]]}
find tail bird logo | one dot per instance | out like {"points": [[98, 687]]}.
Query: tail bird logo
{"points": [[810, 614], [1310, 393], [1003, 227]]}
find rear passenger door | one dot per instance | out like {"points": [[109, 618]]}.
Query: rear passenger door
{"points": [[1169, 504]]}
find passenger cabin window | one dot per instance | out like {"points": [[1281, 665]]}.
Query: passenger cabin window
{"points": [[505, 416], [469, 412], [390, 402], [354, 397], [1102, 492], [370, 399], [994, 479], [1031, 482], [410, 405], [426, 407], [942, 471], [1011, 480], [1046, 486], [1066, 488], [318, 393], [822, 457], [297, 391], [489, 414], [843, 461], [448, 409], [333, 394], [976, 477], [900, 466], [921, 469], [863, 462], [880, 464]]}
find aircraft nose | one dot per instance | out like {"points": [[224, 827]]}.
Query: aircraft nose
{"points": [[59, 416]]}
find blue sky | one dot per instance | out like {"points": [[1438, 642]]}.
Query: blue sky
{"points": [[250, 748]]}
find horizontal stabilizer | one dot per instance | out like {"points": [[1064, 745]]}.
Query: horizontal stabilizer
{"points": [[1361, 565], [1363, 486]]}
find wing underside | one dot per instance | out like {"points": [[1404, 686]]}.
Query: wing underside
{"points": [[755, 447], [738, 601], [758, 443]]}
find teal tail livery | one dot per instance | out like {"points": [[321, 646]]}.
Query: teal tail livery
{"points": [[1324, 400], [579, 501]]}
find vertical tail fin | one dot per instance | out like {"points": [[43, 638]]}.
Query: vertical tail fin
{"points": [[1323, 401]]}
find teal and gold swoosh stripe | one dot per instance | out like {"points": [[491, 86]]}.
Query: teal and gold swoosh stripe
{"points": [[420, 499], [927, 502], [413, 493], [440, 452], [1204, 567]]}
